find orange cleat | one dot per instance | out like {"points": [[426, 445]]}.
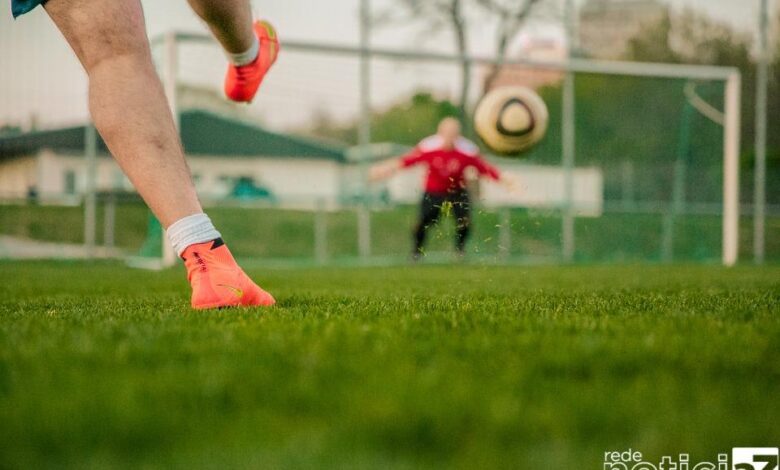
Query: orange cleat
{"points": [[217, 281], [242, 82]]}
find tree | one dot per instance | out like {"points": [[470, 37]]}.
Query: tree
{"points": [[405, 122], [437, 15], [510, 16], [410, 121], [653, 43], [692, 38]]}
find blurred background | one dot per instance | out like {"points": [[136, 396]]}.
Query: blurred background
{"points": [[631, 169]]}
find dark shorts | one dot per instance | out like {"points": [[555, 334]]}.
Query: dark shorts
{"points": [[432, 205], [20, 7], [431, 210]]}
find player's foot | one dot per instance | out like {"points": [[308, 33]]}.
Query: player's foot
{"points": [[242, 81], [217, 281]]}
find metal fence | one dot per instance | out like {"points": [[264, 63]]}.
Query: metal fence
{"points": [[669, 175]]}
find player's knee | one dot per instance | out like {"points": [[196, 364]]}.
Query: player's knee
{"points": [[117, 48], [138, 60]]}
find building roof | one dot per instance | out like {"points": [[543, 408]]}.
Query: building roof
{"points": [[202, 133]]}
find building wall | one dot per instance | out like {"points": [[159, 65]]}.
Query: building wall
{"points": [[541, 186], [285, 178], [65, 175], [17, 177], [62, 177], [294, 183]]}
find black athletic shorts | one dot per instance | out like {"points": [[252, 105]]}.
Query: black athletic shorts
{"points": [[20, 7], [432, 204]]}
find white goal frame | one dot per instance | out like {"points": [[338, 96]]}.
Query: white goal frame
{"points": [[729, 75]]}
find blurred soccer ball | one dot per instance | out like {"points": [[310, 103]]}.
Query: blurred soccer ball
{"points": [[510, 120]]}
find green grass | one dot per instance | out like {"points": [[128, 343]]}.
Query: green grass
{"points": [[426, 366]]}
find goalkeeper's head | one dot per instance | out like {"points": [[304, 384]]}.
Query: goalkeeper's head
{"points": [[449, 131]]}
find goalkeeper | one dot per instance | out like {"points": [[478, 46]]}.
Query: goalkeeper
{"points": [[448, 157]]}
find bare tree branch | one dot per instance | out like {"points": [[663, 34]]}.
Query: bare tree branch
{"points": [[512, 16]]}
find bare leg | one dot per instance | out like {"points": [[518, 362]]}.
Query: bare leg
{"points": [[229, 20], [127, 102]]}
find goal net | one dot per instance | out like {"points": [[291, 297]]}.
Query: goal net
{"points": [[642, 177]]}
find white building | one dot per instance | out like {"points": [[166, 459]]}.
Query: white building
{"points": [[228, 157], [236, 159]]}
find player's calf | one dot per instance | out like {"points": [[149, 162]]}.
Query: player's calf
{"points": [[247, 71]]}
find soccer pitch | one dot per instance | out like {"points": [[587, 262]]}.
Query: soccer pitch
{"points": [[407, 367]]}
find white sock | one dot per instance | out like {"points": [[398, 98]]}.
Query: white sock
{"points": [[246, 57], [190, 230]]}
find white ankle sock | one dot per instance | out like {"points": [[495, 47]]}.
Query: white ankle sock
{"points": [[246, 57], [190, 230]]}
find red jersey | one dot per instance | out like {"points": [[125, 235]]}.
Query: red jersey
{"points": [[446, 167]]}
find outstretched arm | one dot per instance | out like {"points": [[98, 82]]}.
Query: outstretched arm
{"points": [[507, 180], [510, 183], [388, 168], [384, 170]]}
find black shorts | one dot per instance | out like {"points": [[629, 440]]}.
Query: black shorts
{"points": [[433, 203], [20, 7]]}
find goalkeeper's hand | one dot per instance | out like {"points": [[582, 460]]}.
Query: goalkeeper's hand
{"points": [[383, 170], [511, 184]]}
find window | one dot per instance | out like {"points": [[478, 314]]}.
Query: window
{"points": [[70, 182]]}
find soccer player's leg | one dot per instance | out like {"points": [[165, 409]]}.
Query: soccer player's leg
{"points": [[217, 280], [430, 210], [130, 111], [252, 48], [461, 207]]}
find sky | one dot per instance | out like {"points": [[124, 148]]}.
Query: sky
{"points": [[40, 76]]}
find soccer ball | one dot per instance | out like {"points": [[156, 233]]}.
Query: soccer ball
{"points": [[511, 119]]}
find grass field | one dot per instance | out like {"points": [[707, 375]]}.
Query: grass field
{"points": [[409, 367]]}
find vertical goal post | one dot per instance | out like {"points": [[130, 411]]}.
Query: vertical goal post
{"points": [[730, 76]]}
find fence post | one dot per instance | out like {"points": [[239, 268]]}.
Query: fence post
{"points": [[320, 232], [667, 236], [627, 185], [109, 220], [568, 139], [90, 188], [364, 128], [505, 233], [364, 230], [759, 176]]}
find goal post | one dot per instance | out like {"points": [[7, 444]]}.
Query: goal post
{"points": [[729, 76], [731, 136]]}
